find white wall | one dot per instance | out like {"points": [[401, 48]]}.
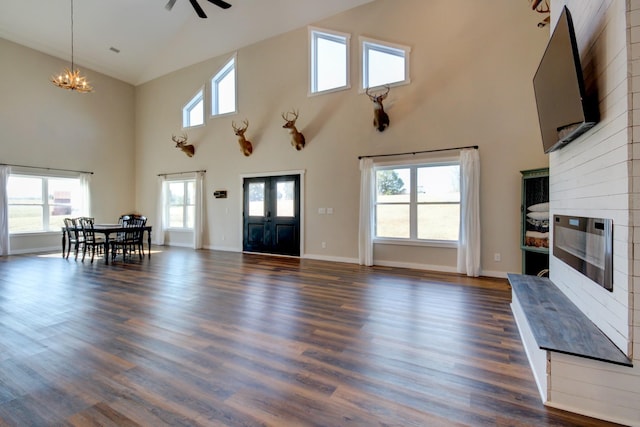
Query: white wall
{"points": [[45, 126], [593, 176], [470, 85]]}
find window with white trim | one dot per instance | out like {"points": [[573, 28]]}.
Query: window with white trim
{"points": [[417, 202], [329, 60], [180, 204], [40, 203], [193, 112], [384, 63], [223, 90]]}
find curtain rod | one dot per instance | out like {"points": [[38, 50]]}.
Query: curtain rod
{"points": [[48, 169], [418, 152], [181, 173]]}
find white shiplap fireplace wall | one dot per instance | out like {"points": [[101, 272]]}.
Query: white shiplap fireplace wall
{"points": [[598, 175]]}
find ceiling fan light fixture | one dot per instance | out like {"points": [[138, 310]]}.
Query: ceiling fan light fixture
{"points": [[196, 6], [71, 79]]}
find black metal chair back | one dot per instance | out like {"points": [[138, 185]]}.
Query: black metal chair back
{"points": [[73, 233], [89, 237]]}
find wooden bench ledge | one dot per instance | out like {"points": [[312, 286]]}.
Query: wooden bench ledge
{"points": [[558, 325]]}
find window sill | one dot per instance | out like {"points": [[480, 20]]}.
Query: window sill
{"points": [[179, 230], [36, 233], [310, 93], [451, 244], [223, 115]]}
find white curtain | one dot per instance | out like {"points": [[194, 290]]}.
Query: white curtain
{"points": [[85, 187], [199, 211], [365, 233], [469, 239], [4, 210], [158, 234]]}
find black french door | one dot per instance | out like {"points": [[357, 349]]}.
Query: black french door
{"points": [[271, 215]]}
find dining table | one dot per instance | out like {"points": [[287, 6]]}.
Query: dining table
{"points": [[107, 230]]}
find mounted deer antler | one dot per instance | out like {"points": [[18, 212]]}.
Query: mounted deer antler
{"points": [[245, 146], [181, 143], [297, 139], [541, 6], [380, 118]]}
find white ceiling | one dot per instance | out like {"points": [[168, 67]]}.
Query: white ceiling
{"points": [[153, 41]]}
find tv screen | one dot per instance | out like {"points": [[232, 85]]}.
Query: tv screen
{"points": [[559, 89]]}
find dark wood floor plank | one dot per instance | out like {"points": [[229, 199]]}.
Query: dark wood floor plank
{"points": [[207, 338]]}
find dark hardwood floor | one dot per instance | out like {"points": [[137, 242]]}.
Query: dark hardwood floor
{"points": [[226, 339]]}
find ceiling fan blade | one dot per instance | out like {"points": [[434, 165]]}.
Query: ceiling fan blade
{"points": [[198, 9], [220, 3], [170, 4]]}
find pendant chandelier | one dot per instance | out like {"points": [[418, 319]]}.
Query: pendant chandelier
{"points": [[71, 79]]}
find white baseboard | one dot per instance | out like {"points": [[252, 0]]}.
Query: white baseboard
{"points": [[331, 258], [496, 274], [57, 248], [223, 248], [416, 266]]}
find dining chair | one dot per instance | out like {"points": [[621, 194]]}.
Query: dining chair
{"points": [[74, 236], [140, 221], [129, 240], [90, 241]]}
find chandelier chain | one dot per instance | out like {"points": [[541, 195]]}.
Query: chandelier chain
{"points": [[72, 64]]}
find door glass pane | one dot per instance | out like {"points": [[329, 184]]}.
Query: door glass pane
{"points": [[438, 221], [256, 199], [439, 184], [393, 221], [285, 204], [393, 185]]}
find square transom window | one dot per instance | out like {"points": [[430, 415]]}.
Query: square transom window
{"points": [[384, 64], [329, 57]]}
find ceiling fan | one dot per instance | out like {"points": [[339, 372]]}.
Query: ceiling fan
{"points": [[196, 6]]}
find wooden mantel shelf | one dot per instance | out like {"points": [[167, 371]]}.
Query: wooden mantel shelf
{"points": [[558, 325]]}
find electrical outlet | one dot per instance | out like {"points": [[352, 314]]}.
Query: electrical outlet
{"points": [[497, 257], [324, 245]]}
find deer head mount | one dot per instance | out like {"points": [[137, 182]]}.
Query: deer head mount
{"points": [[297, 139], [380, 118], [542, 6], [181, 143], [245, 146]]}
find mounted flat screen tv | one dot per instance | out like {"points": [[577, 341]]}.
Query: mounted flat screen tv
{"points": [[563, 110]]}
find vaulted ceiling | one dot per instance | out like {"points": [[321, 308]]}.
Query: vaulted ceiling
{"points": [[139, 40]]}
